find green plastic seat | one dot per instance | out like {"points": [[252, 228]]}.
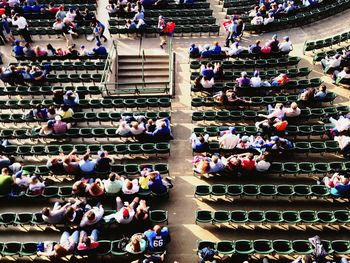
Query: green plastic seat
{"points": [[225, 247], [238, 217], [268, 190], [202, 190], [341, 247], [251, 190], [244, 247], [65, 191], [50, 192], [322, 168], [205, 243], [28, 249], [218, 190], [11, 248], [285, 190], [273, 216], [308, 216], [221, 216], [23, 218], [291, 217], [104, 248], [317, 147], [158, 216], [262, 246], [234, 190], [162, 168], [291, 168], [332, 146], [302, 190], [256, 216], [306, 167], [38, 219], [342, 216], [320, 190], [7, 218], [283, 247], [336, 166], [326, 217], [302, 247], [162, 148], [115, 249]]}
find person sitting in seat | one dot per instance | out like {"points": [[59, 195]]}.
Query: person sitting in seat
{"points": [[338, 184], [234, 49], [35, 186], [286, 46], [280, 80], [162, 131], [103, 162], [87, 165], [256, 82], [113, 184], [18, 49], [95, 188], [125, 211], [130, 187], [137, 244], [206, 52], [216, 49], [343, 75], [255, 48], [194, 51], [157, 238], [158, 185], [55, 215], [331, 62], [244, 80], [273, 44], [100, 50], [88, 243], [60, 127], [65, 246], [293, 110], [200, 142], [207, 71], [92, 216], [229, 139]]}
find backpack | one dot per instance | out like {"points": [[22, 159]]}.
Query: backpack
{"points": [[123, 243], [207, 253]]}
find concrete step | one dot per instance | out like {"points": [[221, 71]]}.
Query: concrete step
{"points": [[133, 79], [123, 67], [128, 74], [136, 59]]}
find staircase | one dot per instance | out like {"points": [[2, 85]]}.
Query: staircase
{"points": [[129, 70]]}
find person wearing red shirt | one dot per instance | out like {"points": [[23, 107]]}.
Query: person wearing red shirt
{"points": [[248, 162]]}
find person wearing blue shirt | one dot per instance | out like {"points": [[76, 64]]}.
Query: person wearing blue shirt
{"points": [[207, 71], [71, 99], [100, 50], [18, 49], [162, 132], [216, 49], [194, 51], [157, 238], [206, 52], [99, 31], [139, 15], [26, 9], [36, 9]]}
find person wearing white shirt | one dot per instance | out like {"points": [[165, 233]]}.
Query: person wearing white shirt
{"points": [[344, 74], [278, 111], [342, 124], [234, 49], [293, 111], [123, 128], [268, 19], [229, 140], [256, 82], [137, 128], [286, 46], [207, 84], [130, 187], [332, 62], [22, 25], [257, 20]]}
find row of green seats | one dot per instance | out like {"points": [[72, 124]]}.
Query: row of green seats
{"points": [[265, 190], [304, 18], [239, 115], [180, 21], [253, 63], [27, 218], [186, 12], [308, 167], [76, 133], [63, 58], [42, 31], [67, 65], [180, 30], [162, 102], [292, 130], [278, 246], [312, 45], [46, 90], [273, 217], [86, 117], [117, 149], [303, 147], [64, 192], [262, 101], [121, 169], [330, 53]]}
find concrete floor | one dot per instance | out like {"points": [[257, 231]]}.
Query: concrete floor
{"points": [[182, 205]]}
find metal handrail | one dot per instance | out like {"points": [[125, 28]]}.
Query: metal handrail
{"points": [[143, 65]]}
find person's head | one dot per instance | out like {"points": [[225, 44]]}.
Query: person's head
{"points": [[128, 185], [17, 43], [78, 187], [95, 188], [69, 213], [46, 211], [87, 241], [250, 156], [86, 157], [323, 88], [215, 159], [12, 159], [243, 74], [38, 106], [140, 214], [150, 122], [279, 106], [66, 21], [65, 107], [344, 180], [294, 106], [135, 125], [193, 45], [5, 171], [90, 215], [34, 180], [112, 177], [27, 45], [240, 22], [58, 119], [347, 70], [101, 154], [205, 166], [162, 124], [256, 73], [286, 38], [274, 37], [157, 229], [52, 110], [306, 259], [216, 43], [135, 243]]}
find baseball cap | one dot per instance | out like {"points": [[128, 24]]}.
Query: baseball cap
{"points": [[101, 153], [125, 213], [274, 138]]}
